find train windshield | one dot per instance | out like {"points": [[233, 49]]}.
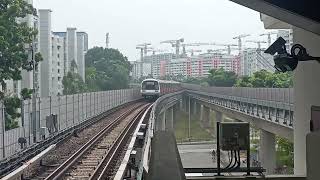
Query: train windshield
{"points": [[150, 85]]}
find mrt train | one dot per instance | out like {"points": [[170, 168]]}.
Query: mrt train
{"points": [[153, 88]]}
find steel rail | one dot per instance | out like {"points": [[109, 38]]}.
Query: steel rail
{"points": [[106, 163], [64, 167]]}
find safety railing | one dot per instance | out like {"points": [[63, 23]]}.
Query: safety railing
{"points": [[152, 127], [281, 95]]}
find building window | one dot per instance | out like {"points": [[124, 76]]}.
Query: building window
{"points": [[58, 63], [58, 55], [58, 70]]}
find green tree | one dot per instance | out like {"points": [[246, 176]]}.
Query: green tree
{"points": [[91, 78], [106, 69], [73, 84], [285, 155], [26, 93], [221, 78], [12, 104], [261, 78], [13, 37], [244, 81], [266, 79], [194, 80]]}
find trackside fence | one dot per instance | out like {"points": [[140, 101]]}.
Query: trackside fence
{"points": [[56, 114]]}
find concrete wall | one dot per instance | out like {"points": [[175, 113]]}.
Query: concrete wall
{"points": [[307, 88]]}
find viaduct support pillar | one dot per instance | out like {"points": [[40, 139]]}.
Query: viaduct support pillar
{"points": [[267, 153], [189, 118], [181, 104], [170, 119], [218, 116], [306, 93], [205, 117], [192, 106], [198, 109], [163, 120]]}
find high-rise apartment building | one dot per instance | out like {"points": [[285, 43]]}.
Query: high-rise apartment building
{"points": [[82, 48], [58, 59], [62, 52], [157, 63], [45, 49], [72, 48], [194, 66], [287, 35], [253, 60]]}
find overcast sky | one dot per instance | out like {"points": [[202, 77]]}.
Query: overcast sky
{"points": [[131, 22]]}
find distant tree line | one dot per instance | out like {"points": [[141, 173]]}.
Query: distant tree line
{"points": [[222, 78], [105, 69]]}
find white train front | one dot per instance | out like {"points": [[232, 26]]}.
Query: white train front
{"points": [[153, 88]]}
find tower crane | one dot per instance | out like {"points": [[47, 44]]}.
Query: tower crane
{"points": [[143, 51], [214, 44], [143, 47], [153, 50], [214, 50], [184, 51], [240, 40], [107, 40], [258, 43], [175, 43], [269, 36], [220, 50], [192, 51]]}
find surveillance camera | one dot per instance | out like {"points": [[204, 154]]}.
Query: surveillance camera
{"points": [[285, 62], [279, 46]]}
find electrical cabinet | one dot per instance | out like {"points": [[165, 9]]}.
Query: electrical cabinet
{"points": [[234, 136]]}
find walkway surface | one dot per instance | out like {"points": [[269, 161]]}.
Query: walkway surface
{"points": [[197, 155]]}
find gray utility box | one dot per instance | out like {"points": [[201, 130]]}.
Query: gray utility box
{"points": [[234, 136]]}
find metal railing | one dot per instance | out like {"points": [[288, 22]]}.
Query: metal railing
{"points": [[152, 127], [282, 95]]}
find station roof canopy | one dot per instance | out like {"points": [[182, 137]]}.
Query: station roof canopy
{"points": [[300, 13]]}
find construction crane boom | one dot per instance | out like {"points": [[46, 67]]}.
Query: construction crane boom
{"points": [[143, 51], [213, 44], [143, 46], [192, 51], [219, 50], [240, 40], [268, 34], [184, 51], [174, 43], [153, 50], [107, 40], [258, 42]]}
